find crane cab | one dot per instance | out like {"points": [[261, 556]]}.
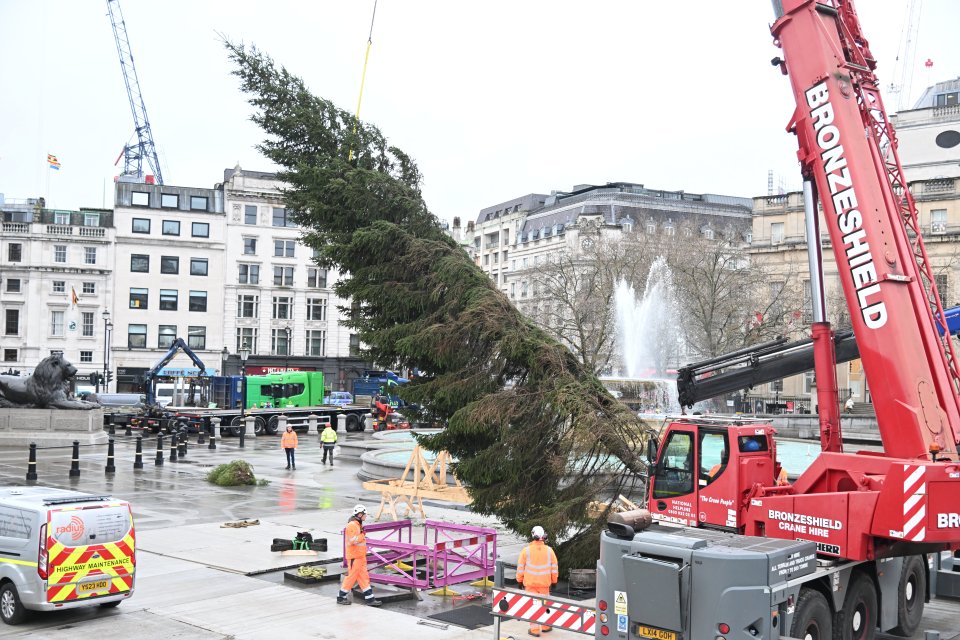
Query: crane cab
{"points": [[703, 471]]}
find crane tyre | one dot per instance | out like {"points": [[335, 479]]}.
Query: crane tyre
{"points": [[911, 594], [857, 620], [353, 423], [812, 620]]}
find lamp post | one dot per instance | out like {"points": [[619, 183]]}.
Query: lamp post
{"points": [[286, 365], [106, 346], [244, 354], [224, 356]]}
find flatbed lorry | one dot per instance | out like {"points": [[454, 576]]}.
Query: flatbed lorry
{"points": [[267, 420]]}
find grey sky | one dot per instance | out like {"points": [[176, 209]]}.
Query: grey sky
{"points": [[493, 99]]}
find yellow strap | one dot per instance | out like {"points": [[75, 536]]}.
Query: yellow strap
{"points": [[363, 76]]}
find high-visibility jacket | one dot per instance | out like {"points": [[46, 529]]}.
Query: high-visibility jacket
{"points": [[328, 436], [537, 566], [356, 540], [288, 440]]}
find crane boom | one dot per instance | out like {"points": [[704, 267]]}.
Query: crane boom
{"points": [[133, 154]]}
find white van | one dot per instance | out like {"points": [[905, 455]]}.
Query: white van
{"points": [[63, 549]]}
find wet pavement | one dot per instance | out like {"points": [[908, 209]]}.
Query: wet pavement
{"points": [[199, 579]]}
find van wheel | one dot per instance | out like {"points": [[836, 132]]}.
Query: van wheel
{"points": [[11, 609], [111, 605], [858, 618], [911, 594], [812, 620]]}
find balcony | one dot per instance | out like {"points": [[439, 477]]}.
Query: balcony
{"points": [[60, 229], [16, 227], [92, 232]]}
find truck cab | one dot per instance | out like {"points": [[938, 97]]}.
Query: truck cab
{"points": [[703, 471]]}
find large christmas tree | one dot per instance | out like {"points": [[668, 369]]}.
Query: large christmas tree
{"points": [[535, 435]]}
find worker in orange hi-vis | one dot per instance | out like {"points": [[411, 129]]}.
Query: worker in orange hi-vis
{"points": [[356, 557], [537, 570]]}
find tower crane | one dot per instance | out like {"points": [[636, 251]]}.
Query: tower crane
{"points": [[144, 149]]}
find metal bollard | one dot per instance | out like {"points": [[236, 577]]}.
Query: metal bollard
{"points": [[202, 430], [111, 428], [127, 431], [243, 433], [931, 635], [214, 429], [75, 461], [182, 446], [173, 448], [138, 460], [110, 468], [159, 461], [32, 462]]}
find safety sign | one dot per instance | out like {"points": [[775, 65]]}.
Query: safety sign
{"points": [[620, 602], [621, 622]]}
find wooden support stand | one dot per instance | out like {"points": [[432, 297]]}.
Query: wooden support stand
{"points": [[419, 481]]}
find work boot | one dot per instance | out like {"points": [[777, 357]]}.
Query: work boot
{"points": [[535, 634], [374, 603], [343, 600], [294, 467], [288, 467]]}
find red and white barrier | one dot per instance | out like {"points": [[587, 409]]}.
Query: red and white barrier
{"points": [[553, 612]]}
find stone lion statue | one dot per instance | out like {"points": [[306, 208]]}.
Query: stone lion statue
{"points": [[45, 389]]}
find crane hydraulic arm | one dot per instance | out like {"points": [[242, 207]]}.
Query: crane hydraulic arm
{"points": [[848, 148], [177, 346]]}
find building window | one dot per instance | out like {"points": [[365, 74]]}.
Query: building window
{"points": [[90, 255], [59, 286], [279, 344], [281, 218], [247, 336], [249, 246], [59, 253], [198, 266], [61, 217], [167, 334], [87, 320], [89, 288], [9, 355], [91, 219], [943, 286], [248, 306], [139, 263], [140, 199], [708, 233], [138, 298], [13, 285], [197, 337], [200, 230], [137, 336], [282, 305], [12, 323], [86, 356], [354, 345], [317, 278], [168, 299], [317, 309], [198, 301], [15, 252], [316, 343], [171, 227], [938, 221], [249, 274], [169, 264], [250, 214], [198, 203], [169, 201], [284, 248], [776, 233], [141, 225], [56, 323], [283, 276]]}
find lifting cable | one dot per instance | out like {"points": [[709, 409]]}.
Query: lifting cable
{"points": [[363, 76]]}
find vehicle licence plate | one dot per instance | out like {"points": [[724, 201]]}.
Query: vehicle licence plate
{"points": [[99, 585], [656, 634]]}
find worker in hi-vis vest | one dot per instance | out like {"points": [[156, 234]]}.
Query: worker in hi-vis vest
{"points": [[355, 541], [537, 570]]}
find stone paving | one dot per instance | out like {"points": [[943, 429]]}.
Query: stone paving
{"points": [[197, 579]]}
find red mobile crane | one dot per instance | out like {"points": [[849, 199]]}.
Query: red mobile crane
{"points": [[843, 548]]}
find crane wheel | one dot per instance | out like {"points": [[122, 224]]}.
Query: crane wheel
{"points": [[857, 620], [911, 594], [812, 619]]}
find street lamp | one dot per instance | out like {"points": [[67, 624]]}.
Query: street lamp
{"points": [[286, 365], [224, 356], [106, 345], [244, 354]]}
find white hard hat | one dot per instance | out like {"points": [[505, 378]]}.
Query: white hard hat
{"points": [[357, 510], [538, 533]]}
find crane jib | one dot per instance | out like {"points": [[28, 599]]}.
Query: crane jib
{"points": [[863, 271]]}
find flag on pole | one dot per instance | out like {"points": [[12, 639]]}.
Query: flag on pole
{"points": [[53, 162], [73, 294]]}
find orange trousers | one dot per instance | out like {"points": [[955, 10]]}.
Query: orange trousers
{"points": [[540, 591], [356, 574]]}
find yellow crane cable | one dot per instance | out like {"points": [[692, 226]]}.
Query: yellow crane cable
{"points": [[363, 76]]}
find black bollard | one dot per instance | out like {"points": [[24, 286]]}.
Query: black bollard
{"points": [[182, 446], [111, 428], [75, 461], [214, 428], [173, 448], [32, 462], [159, 461], [138, 460], [202, 430], [243, 432], [126, 430], [110, 468]]}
